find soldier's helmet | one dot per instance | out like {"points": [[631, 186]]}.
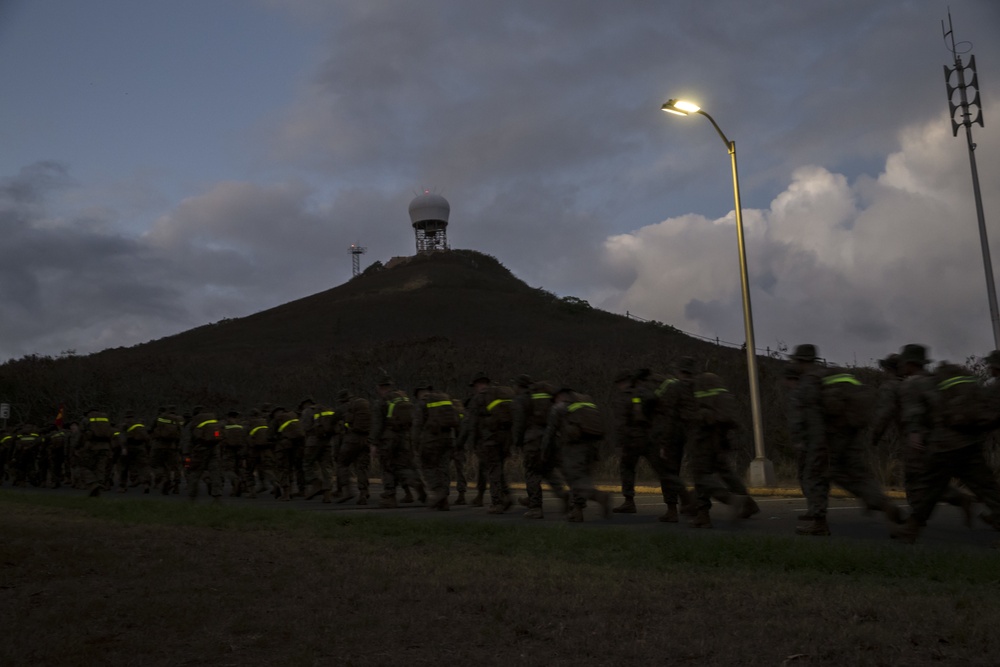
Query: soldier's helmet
{"points": [[993, 359], [890, 363], [423, 385], [306, 401], [478, 376], [385, 381], [197, 410], [686, 365], [343, 395], [233, 413], [913, 353], [806, 352]]}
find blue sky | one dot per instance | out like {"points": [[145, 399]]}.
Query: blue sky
{"points": [[143, 141]]}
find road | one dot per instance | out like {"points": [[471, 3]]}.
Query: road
{"points": [[778, 516]]}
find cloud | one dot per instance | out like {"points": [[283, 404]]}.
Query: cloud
{"points": [[858, 268]]}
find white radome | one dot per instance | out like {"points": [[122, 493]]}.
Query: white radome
{"points": [[428, 207]]}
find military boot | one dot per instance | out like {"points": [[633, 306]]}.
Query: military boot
{"points": [[750, 507], [736, 501], [388, 502], [497, 509], [670, 516], [534, 513], [421, 495], [460, 500], [478, 500], [285, 496], [701, 520], [575, 515], [407, 496], [328, 496], [363, 498], [817, 527], [627, 506], [524, 501]]}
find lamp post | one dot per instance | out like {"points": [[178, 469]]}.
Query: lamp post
{"points": [[761, 469]]}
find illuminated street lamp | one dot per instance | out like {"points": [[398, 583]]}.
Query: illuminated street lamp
{"points": [[761, 469]]}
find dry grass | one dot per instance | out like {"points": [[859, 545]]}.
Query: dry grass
{"points": [[139, 583]]}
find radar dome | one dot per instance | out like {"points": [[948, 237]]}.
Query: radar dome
{"points": [[429, 207]]}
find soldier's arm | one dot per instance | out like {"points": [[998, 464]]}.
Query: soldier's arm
{"points": [[551, 429], [418, 422], [521, 406]]}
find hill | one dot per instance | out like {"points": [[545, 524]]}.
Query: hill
{"points": [[440, 317]]}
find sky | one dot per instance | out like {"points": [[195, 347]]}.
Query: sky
{"points": [[169, 163]]}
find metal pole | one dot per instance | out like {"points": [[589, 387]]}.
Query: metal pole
{"points": [[755, 411], [991, 290]]}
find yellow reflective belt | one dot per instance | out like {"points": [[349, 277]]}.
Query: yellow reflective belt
{"points": [[135, 426], [636, 399], [98, 419], [256, 428], [576, 406], [438, 404], [285, 425], [327, 413], [164, 421], [541, 396], [948, 384], [489, 408], [708, 393], [663, 386], [840, 378], [393, 402], [229, 426], [207, 422], [6, 438]]}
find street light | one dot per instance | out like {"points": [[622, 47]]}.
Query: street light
{"points": [[761, 469]]}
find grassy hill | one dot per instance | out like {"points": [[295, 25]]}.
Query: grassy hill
{"points": [[439, 317]]}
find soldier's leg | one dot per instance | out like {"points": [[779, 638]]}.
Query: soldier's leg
{"points": [[914, 466], [227, 461], [533, 474], [626, 469], [673, 458], [324, 462], [199, 464], [850, 470], [458, 458], [816, 480], [493, 451], [973, 471], [386, 458], [213, 466]]}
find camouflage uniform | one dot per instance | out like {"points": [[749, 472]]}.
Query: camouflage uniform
{"points": [[353, 450], [394, 452], [317, 459], [95, 453], [630, 407], [58, 443], [459, 453], [233, 455], [165, 450], [577, 455], [204, 454], [529, 429], [26, 446], [493, 442], [434, 443], [834, 451], [134, 461], [260, 453], [289, 441], [951, 452], [673, 411]]}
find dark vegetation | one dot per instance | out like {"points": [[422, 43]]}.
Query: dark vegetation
{"points": [[133, 582], [440, 316]]}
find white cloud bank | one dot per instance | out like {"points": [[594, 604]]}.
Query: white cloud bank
{"points": [[857, 268]]}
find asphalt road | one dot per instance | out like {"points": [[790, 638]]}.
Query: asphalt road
{"points": [[778, 516]]}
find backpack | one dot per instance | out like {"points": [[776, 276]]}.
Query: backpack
{"points": [[99, 427], [359, 415], [716, 405], [235, 435], [962, 403], [167, 427], [289, 426], [399, 411], [137, 433], [324, 421], [499, 408], [586, 417], [441, 412], [260, 433], [845, 401], [205, 429], [541, 402]]}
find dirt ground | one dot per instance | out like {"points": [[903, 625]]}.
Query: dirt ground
{"points": [[78, 589]]}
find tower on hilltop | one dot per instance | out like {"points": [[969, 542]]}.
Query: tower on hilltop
{"points": [[429, 215]]}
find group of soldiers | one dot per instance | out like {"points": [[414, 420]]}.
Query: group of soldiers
{"points": [[421, 441], [943, 416]]}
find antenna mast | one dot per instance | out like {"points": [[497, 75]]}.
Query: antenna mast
{"points": [[356, 252], [967, 120]]}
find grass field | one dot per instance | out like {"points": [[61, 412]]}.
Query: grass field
{"points": [[92, 582]]}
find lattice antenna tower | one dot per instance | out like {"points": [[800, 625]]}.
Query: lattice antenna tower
{"points": [[356, 251]]}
